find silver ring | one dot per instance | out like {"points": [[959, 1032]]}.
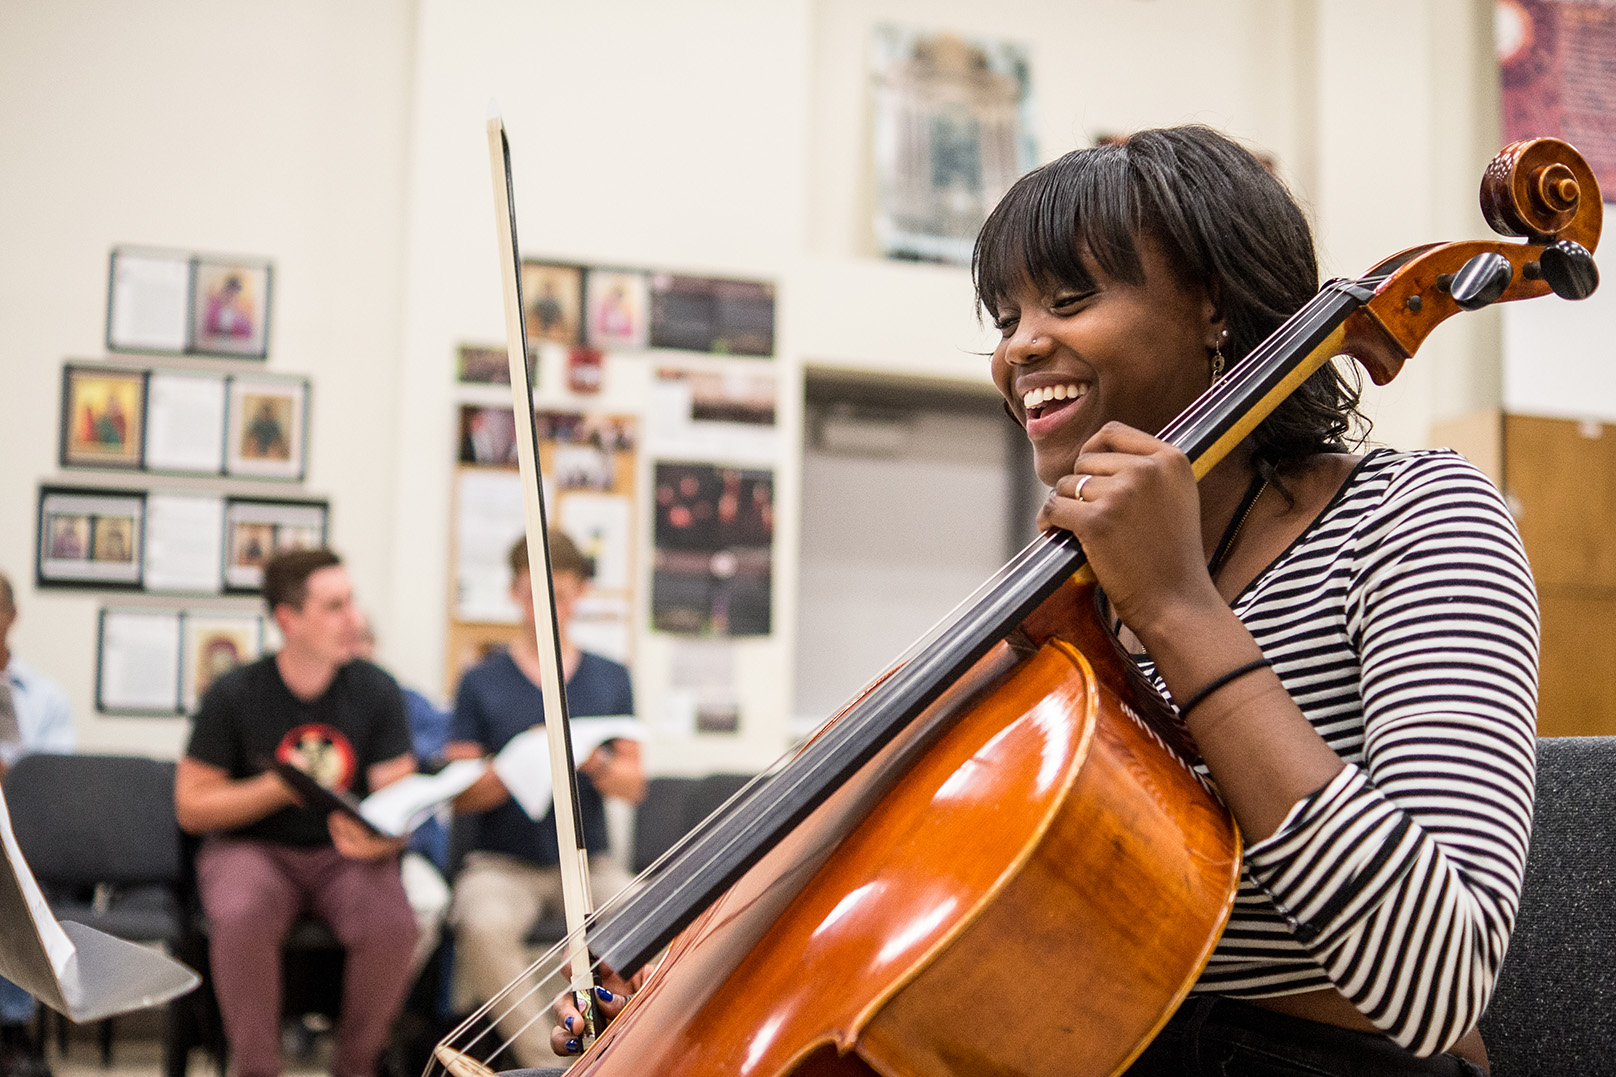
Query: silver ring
{"points": [[1077, 491]]}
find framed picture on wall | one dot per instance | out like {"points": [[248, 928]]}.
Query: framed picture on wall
{"points": [[618, 309], [103, 416], [148, 301], [230, 308], [268, 419], [185, 418], [255, 530], [89, 538], [137, 669], [215, 644], [552, 303]]}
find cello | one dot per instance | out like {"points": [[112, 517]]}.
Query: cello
{"points": [[1013, 800]]}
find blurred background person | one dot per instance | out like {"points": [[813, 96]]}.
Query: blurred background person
{"points": [[510, 877], [425, 864], [266, 860]]}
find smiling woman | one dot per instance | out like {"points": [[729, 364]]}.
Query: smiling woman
{"points": [[1333, 624]]}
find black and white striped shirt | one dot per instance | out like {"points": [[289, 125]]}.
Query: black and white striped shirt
{"points": [[1404, 624]]}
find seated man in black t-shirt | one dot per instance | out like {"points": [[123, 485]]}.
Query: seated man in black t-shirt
{"points": [[267, 860]]}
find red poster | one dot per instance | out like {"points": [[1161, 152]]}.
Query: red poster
{"points": [[1558, 60]]}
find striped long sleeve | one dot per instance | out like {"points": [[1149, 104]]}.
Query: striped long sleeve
{"points": [[1404, 624]]}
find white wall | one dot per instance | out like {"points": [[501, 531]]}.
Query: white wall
{"points": [[265, 129], [345, 141]]}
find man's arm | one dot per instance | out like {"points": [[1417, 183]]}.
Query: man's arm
{"points": [[206, 798], [484, 794], [352, 839]]}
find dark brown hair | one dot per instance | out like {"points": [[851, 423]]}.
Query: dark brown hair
{"points": [[286, 576], [1222, 221], [565, 556]]}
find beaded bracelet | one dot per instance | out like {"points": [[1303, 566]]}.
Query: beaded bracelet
{"points": [[1218, 682]]}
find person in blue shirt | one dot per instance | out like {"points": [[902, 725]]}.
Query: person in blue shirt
{"points": [[425, 863], [34, 717], [510, 877]]}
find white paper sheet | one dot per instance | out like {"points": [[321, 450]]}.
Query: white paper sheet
{"points": [[184, 543], [56, 944], [140, 661], [489, 519], [602, 526], [185, 422], [399, 808], [76, 970], [524, 763], [150, 302]]}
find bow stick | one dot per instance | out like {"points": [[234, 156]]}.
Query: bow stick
{"points": [[575, 896]]}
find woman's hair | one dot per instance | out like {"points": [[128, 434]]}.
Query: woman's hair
{"points": [[1223, 223]]}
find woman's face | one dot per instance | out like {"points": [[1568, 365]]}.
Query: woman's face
{"points": [[1069, 361]]}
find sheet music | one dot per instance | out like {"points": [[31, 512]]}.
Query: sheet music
{"points": [[57, 946], [524, 763], [399, 808], [75, 970]]}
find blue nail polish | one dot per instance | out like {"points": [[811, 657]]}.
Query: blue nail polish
{"points": [[603, 994], [568, 1023], [573, 1047]]}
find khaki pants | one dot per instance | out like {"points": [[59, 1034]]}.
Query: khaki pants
{"points": [[497, 900]]}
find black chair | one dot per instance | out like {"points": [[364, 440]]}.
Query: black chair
{"points": [[1554, 1007], [673, 807], [98, 831]]}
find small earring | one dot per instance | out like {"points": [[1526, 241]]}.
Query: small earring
{"points": [[1217, 355]]}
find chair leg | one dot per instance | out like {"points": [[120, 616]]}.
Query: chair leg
{"points": [[61, 1035], [105, 1032]]}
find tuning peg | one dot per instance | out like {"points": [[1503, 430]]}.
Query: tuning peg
{"points": [[1569, 269], [1481, 280]]}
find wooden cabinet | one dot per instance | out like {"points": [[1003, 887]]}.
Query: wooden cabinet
{"points": [[1559, 476]]}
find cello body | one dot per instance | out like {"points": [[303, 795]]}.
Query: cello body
{"points": [[1047, 859]]}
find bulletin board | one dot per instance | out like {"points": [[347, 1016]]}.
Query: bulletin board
{"points": [[589, 464]]}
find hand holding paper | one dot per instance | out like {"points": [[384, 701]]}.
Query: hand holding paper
{"points": [[524, 763]]}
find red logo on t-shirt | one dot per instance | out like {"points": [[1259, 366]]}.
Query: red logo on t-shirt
{"points": [[320, 751]]}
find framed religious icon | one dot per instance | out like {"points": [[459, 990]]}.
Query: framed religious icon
{"points": [[952, 130], [148, 300], [552, 302], [268, 418], [618, 309], [215, 644], [103, 416], [89, 538], [256, 530], [230, 308]]}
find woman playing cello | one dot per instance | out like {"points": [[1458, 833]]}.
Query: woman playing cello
{"points": [[1350, 639]]}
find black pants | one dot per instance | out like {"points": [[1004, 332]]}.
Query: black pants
{"points": [[1220, 1037]]}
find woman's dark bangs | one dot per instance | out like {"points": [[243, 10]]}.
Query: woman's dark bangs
{"points": [[1046, 224]]}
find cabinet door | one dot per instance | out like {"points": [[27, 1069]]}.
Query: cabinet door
{"points": [[1560, 478]]}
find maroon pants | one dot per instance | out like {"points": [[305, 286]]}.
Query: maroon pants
{"points": [[252, 893]]}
